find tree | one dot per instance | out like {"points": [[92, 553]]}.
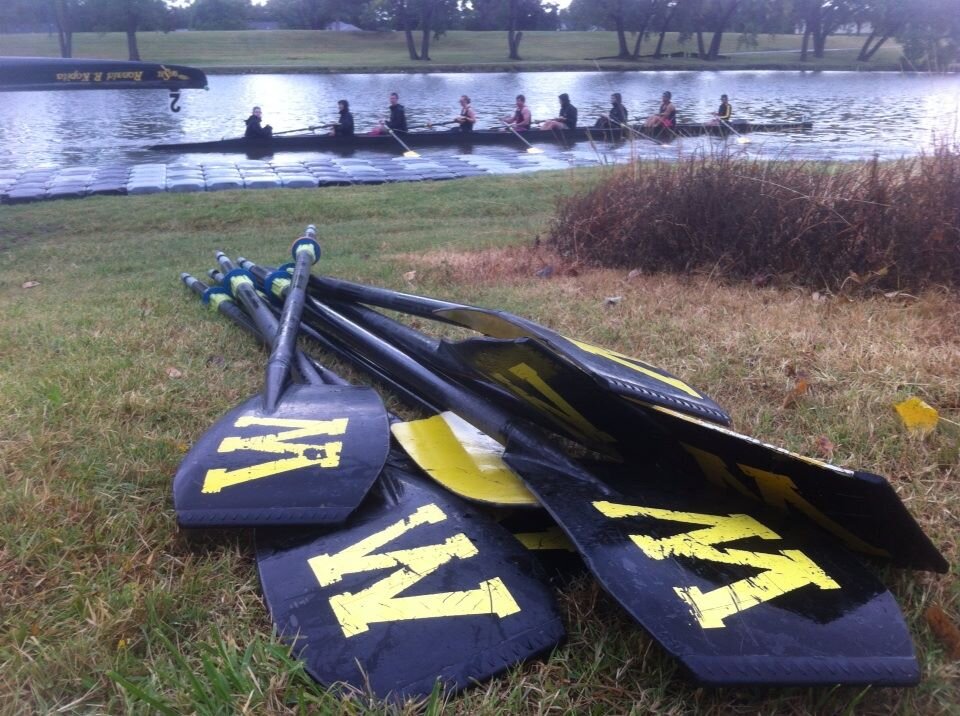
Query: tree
{"points": [[219, 14], [931, 35], [128, 16], [62, 12], [821, 18], [886, 18]]}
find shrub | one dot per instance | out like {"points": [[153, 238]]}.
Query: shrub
{"points": [[869, 225]]}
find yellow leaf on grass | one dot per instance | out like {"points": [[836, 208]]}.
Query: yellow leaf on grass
{"points": [[917, 415]]}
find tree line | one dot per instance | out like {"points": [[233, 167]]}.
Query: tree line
{"points": [[928, 30]]}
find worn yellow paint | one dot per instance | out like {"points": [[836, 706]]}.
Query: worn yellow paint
{"points": [[380, 602], [777, 491], [462, 459], [550, 401], [323, 455], [550, 538], [779, 573], [637, 365]]}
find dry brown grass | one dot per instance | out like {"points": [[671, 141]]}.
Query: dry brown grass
{"points": [[851, 228]]}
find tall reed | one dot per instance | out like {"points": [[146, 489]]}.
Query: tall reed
{"points": [[863, 226]]}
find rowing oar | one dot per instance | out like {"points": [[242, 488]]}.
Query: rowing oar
{"points": [[431, 125], [614, 371], [562, 393], [311, 128], [297, 455], [740, 138], [530, 148], [415, 588], [452, 452], [779, 607], [409, 153]]}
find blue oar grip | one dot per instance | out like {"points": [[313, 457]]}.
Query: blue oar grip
{"points": [[306, 244]]}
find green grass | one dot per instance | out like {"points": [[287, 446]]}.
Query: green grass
{"points": [[110, 369], [293, 50]]}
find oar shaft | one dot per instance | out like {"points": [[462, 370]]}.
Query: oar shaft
{"points": [[306, 253], [243, 288]]}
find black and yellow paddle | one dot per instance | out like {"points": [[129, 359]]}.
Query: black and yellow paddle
{"points": [[300, 454], [613, 372], [452, 452], [415, 588], [860, 509], [738, 594]]}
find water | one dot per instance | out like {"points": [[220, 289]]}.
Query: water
{"points": [[856, 115]]}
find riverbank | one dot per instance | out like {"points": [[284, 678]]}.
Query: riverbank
{"points": [[110, 370], [288, 51]]}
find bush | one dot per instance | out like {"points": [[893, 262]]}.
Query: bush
{"points": [[869, 225]]}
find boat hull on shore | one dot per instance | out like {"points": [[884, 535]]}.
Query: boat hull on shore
{"points": [[384, 142]]}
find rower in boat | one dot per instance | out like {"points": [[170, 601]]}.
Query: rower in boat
{"points": [[520, 120], [254, 130], [567, 119], [666, 116], [616, 118], [398, 117], [344, 124], [723, 114], [467, 117]]}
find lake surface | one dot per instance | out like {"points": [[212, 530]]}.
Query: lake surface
{"points": [[856, 114]]}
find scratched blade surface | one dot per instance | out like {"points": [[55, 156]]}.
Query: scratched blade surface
{"points": [[309, 462], [736, 593], [417, 587]]}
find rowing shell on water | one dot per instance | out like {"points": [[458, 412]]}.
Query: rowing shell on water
{"points": [[326, 142]]}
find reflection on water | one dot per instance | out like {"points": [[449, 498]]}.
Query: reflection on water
{"points": [[855, 114]]}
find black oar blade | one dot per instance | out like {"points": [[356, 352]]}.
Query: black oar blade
{"points": [[416, 588], [739, 596], [555, 393], [309, 462], [614, 371], [860, 509]]}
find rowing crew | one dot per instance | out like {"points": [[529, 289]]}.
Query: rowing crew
{"points": [[519, 120]]}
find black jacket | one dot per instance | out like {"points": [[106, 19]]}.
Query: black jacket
{"points": [[398, 118], [255, 131]]}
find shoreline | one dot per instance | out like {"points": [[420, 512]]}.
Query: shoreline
{"points": [[537, 67]]}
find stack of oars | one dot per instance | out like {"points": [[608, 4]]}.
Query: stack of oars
{"points": [[382, 545]]}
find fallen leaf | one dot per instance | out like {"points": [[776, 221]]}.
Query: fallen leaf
{"points": [[633, 274], [917, 416], [410, 276], [825, 447], [945, 629], [800, 388], [545, 272], [173, 372], [30, 284], [612, 300]]}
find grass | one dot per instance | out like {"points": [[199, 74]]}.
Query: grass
{"points": [[109, 370], [293, 50]]}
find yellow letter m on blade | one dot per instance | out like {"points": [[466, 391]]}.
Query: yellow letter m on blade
{"points": [[298, 454], [779, 573], [380, 601]]}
